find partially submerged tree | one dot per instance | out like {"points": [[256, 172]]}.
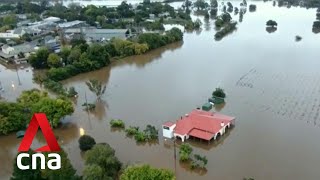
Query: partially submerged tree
{"points": [[96, 87], [86, 142], [219, 92], [185, 152], [72, 92], [316, 27], [298, 38], [252, 7], [271, 23], [146, 172], [199, 161], [117, 123]]}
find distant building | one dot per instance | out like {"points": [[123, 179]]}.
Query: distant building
{"points": [[23, 23], [199, 124], [165, 14], [97, 35], [52, 43], [9, 35], [13, 53], [72, 24], [21, 16], [52, 19], [152, 16]]}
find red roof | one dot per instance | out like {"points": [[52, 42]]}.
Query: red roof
{"points": [[168, 124], [201, 124], [201, 134]]}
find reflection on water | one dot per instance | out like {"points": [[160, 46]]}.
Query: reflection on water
{"points": [[271, 29]]}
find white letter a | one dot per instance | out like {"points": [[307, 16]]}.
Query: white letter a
{"points": [[57, 161]]}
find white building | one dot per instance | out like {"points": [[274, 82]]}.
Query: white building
{"points": [[168, 129]]}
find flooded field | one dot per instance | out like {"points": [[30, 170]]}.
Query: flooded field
{"points": [[272, 85]]}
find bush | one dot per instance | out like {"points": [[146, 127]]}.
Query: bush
{"points": [[316, 24], [199, 161], [151, 132], [154, 40], [117, 123], [86, 142], [140, 137], [271, 23], [228, 28], [219, 92], [132, 131], [155, 26], [184, 152], [147, 173], [252, 7], [298, 38], [54, 86]]}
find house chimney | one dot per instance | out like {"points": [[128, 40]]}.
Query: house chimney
{"points": [[222, 124]]}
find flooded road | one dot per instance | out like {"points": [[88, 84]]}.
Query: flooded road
{"points": [[272, 85]]}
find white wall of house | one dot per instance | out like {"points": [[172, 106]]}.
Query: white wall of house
{"points": [[9, 35], [182, 137], [168, 131], [7, 50], [222, 130]]}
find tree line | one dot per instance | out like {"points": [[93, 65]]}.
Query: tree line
{"points": [[100, 163], [15, 116], [81, 57]]}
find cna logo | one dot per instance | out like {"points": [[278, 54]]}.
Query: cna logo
{"points": [[54, 163]]}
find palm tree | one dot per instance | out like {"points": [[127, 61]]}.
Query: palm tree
{"points": [[96, 87]]}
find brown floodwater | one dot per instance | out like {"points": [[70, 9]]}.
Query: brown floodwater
{"points": [[272, 85]]}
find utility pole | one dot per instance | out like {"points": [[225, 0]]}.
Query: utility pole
{"points": [[85, 96], [18, 75], [1, 89], [175, 156]]}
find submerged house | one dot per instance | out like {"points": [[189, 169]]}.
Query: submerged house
{"points": [[199, 124]]}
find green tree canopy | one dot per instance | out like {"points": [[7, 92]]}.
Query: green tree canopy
{"points": [[98, 53], [146, 172], [213, 3], [74, 55], [201, 4], [39, 60], [219, 92], [103, 156], [96, 87], [34, 174], [272, 23], [13, 117], [54, 60], [66, 172], [10, 20], [38, 101], [86, 142], [93, 172]]}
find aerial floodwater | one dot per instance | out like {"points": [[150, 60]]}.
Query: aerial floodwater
{"points": [[272, 84]]}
